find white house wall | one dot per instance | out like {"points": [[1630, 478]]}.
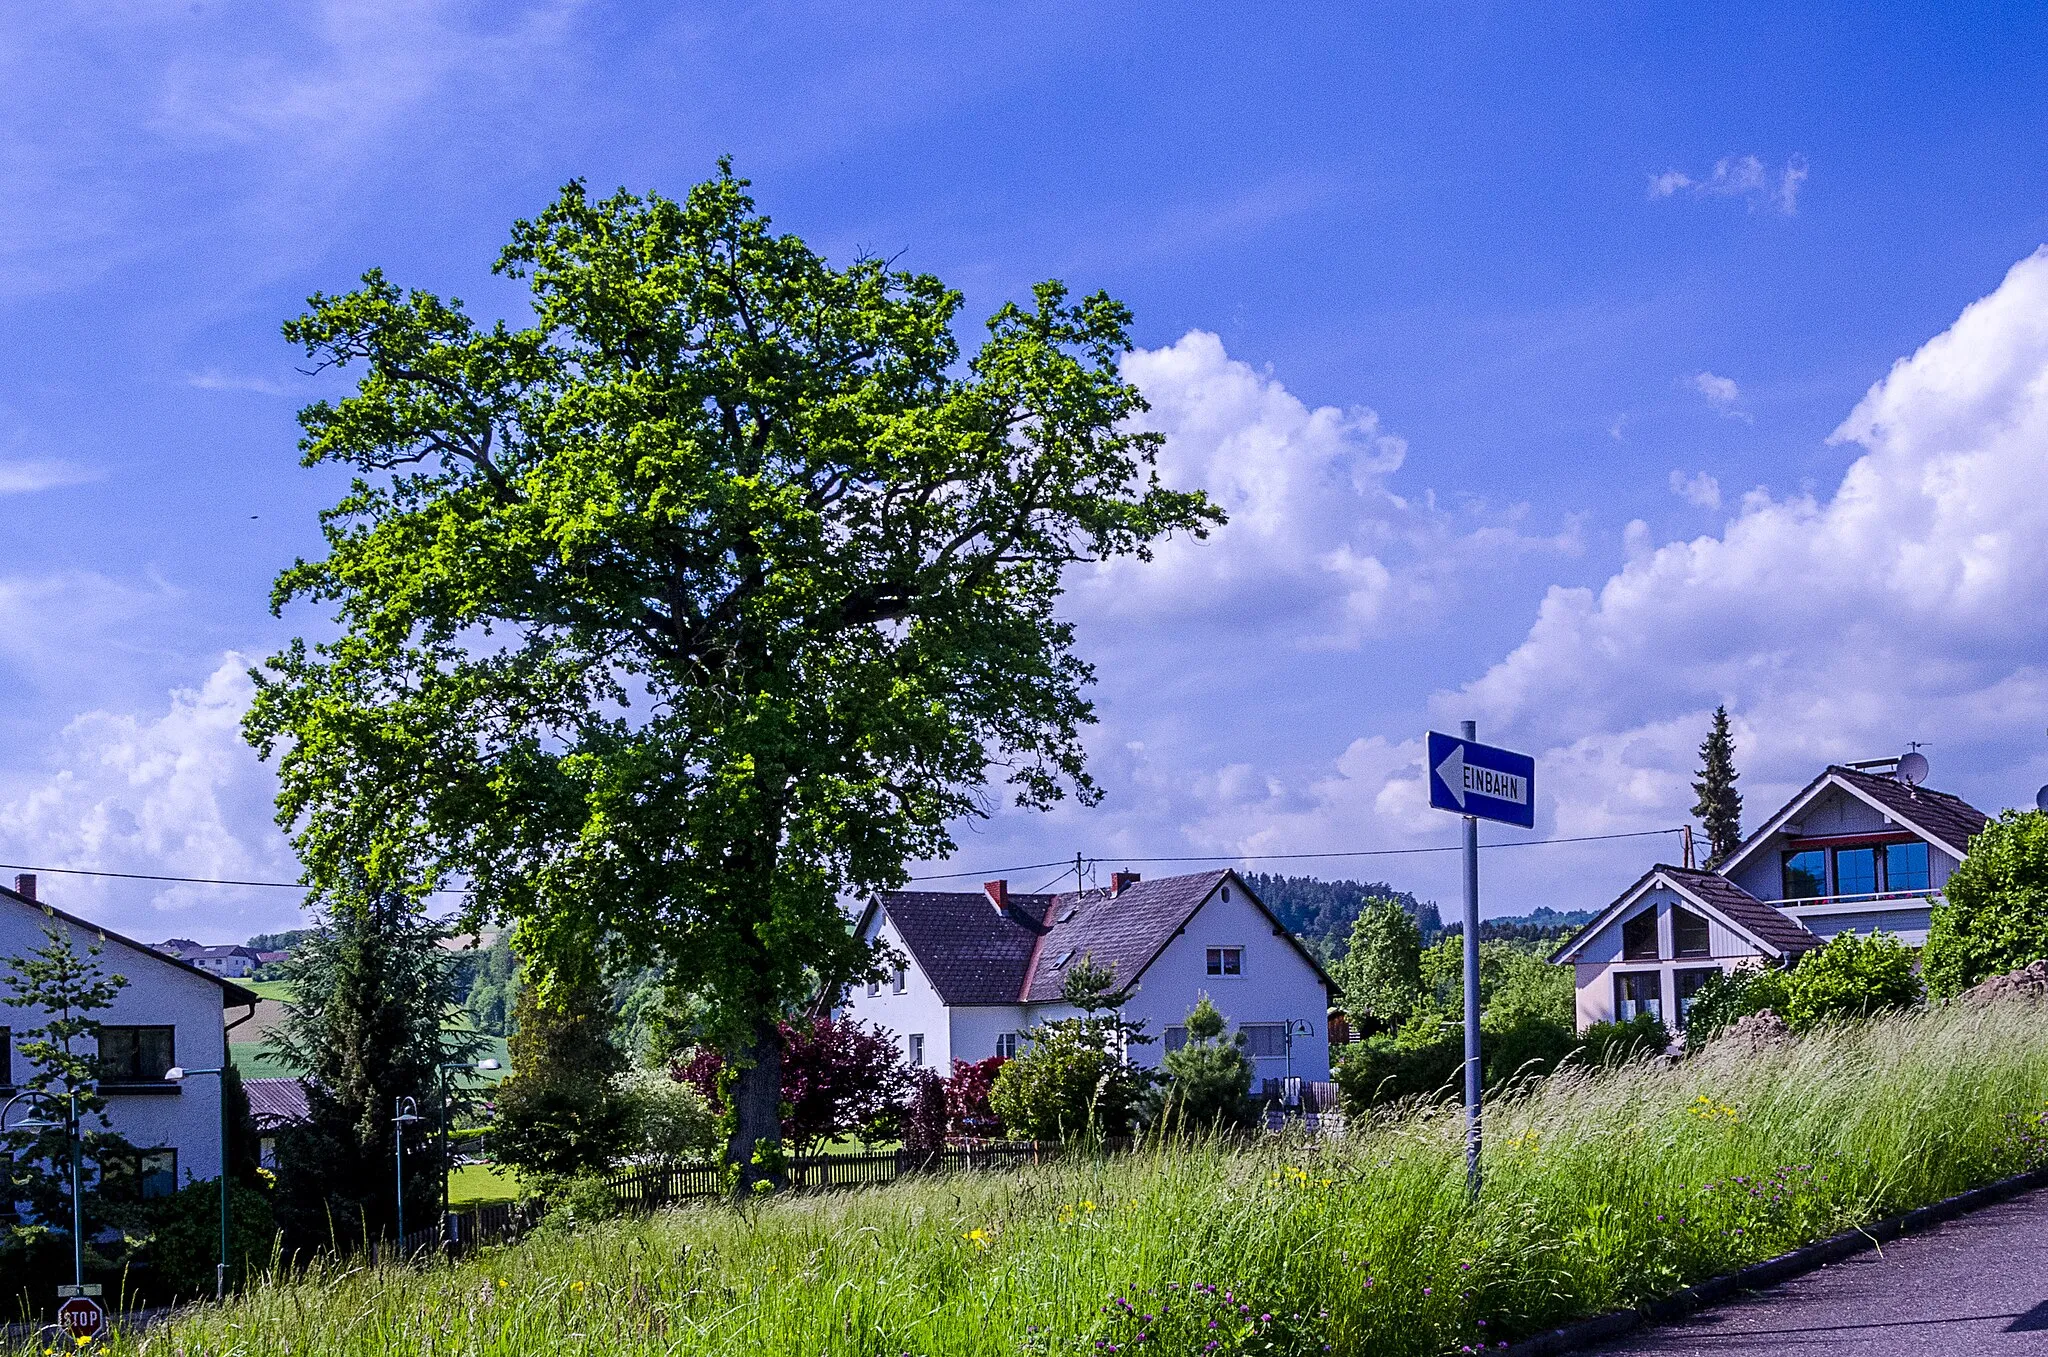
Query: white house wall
{"points": [[918, 1010], [1278, 985], [185, 1117], [1597, 962]]}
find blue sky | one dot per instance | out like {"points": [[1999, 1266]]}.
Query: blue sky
{"points": [[1535, 354]]}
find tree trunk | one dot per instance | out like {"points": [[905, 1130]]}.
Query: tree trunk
{"points": [[757, 1113]]}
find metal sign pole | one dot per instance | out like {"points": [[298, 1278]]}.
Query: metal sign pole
{"points": [[1470, 731]]}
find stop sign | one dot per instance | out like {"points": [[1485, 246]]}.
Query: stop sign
{"points": [[81, 1317]]}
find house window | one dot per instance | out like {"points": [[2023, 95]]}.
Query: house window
{"points": [[899, 981], [1688, 984], [1689, 934], [1226, 961], [1806, 875], [1639, 937], [1905, 867], [148, 1175], [1638, 992], [136, 1055], [917, 1048], [874, 989], [1855, 871], [1264, 1040], [266, 1152], [1006, 1045], [1176, 1037]]}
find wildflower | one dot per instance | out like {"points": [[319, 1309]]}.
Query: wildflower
{"points": [[977, 1237]]}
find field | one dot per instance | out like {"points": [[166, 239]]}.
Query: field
{"points": [[474, 1184], [1604, 1188]]}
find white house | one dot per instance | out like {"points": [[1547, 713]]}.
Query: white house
{"points": [[984, 967], [170, 1013], [1859, 849], [231, 960]]}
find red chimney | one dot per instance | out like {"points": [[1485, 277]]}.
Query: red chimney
{"points": [[1119, 880], [25, 884], [998, 893]]}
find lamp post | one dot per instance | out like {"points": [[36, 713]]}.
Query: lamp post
{"points": [[466, 1067], [404, 1112], [178, 1074], [1296, 1027], [70, 1127]]}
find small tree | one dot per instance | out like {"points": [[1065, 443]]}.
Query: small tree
{"points": [[926, 1121], [1994, 918], [66, 986], [667, 1121], [1382, 973], [1731, 996], [1210, 1077], [560, 1112], [970, 1115], [1074, 1077], [1719, 805], [839, 1078], [370, 989]]}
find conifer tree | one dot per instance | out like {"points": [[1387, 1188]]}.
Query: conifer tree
{"points": [[1720, 805], [1211, 1076], [562, 1111]]}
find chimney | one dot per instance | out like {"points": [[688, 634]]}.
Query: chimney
{"points": [[1119, 880], [25, 884], [998, 894]]}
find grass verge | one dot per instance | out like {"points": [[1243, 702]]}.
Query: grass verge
{"points": [[1604, 1189]]}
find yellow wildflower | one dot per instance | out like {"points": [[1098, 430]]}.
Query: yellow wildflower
{"points": [[977, 1237]]}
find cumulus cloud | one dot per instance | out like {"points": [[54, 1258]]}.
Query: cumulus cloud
{"points": [[1744, 177], [1319, 544], [172, 792], [1699, 489]]}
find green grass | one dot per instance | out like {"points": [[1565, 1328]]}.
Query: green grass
{"points": [[475, 1184], [1603, 1189], [260, 1060], [280, 990]]}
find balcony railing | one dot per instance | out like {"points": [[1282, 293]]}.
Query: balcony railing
{"points": [[1871, 901]]}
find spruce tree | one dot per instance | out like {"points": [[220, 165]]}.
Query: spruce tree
{"points": [[1210, 1076], [561, 1112], [1720, 805]]}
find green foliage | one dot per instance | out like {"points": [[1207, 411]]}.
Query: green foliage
{"points": [[364, 1029], [1719, 805], [1523, 1043], [560, 1112], [184, 1240], [59, 988], [1423, 1058], [1524, 985], [1381, 974], [1323, 913], [666, 1120], [1605, 1190], [278, 942], [576, 1202], [1850, 977], [1994, 919], [1733, 995], [702, 603], [1209, 1079], [491, 992], [1072, 1080], [1615, 1043]]}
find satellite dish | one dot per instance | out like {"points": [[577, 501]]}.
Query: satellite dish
{"points": [[1913, 768], [2041, 799]]}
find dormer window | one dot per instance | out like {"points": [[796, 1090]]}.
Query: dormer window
{"points": [[1639, 937]]}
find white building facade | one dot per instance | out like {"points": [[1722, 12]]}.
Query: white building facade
{"points": [[168, 1014], [980, 969]]}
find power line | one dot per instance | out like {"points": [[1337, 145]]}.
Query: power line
{"points": [[180, 880]]}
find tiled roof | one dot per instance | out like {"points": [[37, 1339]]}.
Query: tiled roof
{"points": [[970, 953], [1779, 929], [1948, 818], [1123, 933], [276, 1102]]}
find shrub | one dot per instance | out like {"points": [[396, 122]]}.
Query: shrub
{"points": [[839, 1078], [970, 1116], [1423, 1058], [924, 1125], [184, 1240], [666, 1120], [1731, 996], [1613, 1043], [576, 1201], [560, 1112], [1073, 1078], [1524, 1043], [1994, 919], [1850, 977], [1210, 1078]]}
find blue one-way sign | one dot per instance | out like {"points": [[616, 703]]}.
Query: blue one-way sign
{"points": [[1469, 778]]}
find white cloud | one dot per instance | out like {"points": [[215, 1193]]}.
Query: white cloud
{"points": [[26, 476], [1318, 544], [1743, 176], [213, 379], [1699, 489], [175, 792], [1722, 393]]}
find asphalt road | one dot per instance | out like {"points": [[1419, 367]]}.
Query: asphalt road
{"points": [[1974, 1285]]}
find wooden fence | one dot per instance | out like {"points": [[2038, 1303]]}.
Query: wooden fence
{"points": [[647, 1189]]}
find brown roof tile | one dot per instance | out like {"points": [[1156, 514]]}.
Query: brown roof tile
{"points": [[1948, 818]]}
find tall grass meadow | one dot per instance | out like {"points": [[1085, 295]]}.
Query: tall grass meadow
{"points": [[1604, 1188]]}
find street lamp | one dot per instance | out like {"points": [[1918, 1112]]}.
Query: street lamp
{"points": [[404, 1112], [178, 1074], [1299, 1027], [70, 1127], [466, 1067]]}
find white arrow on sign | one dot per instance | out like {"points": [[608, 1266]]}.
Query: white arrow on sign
{"points": [[1452, 771]]}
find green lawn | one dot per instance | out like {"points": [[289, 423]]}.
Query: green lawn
{"points": [[475, 1184], [1604, 1189], [280, 990], [260, 1060]]}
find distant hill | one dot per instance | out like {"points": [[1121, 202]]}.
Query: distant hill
{"points": [[1542, 925], [1321, 913]]}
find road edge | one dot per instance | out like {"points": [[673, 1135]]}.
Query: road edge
{"points": [[1572, 1337]]}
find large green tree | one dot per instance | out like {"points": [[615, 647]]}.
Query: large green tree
{"points": [[1993, 918], [707, 598], [1381, 974], [1719, 805]]}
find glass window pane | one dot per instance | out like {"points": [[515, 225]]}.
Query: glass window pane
{"points": [[1264, 1040], [1176, 1037], [1905, 867], [1639, 937], [1689, 935], [1639, 992], [1233, 961], [159, 1173], [1688, 985], [1855, 871], [1806, 875]]}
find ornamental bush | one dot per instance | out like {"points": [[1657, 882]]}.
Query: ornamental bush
{"points": [[1073, 1079], [1994, 919], [1209, 1080], [1850, 977], [1731, 996]]}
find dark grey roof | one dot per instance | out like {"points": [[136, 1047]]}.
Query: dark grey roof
{"points": [[1950, 819], [974, 955], [1775, 927], [276, 1102]]}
